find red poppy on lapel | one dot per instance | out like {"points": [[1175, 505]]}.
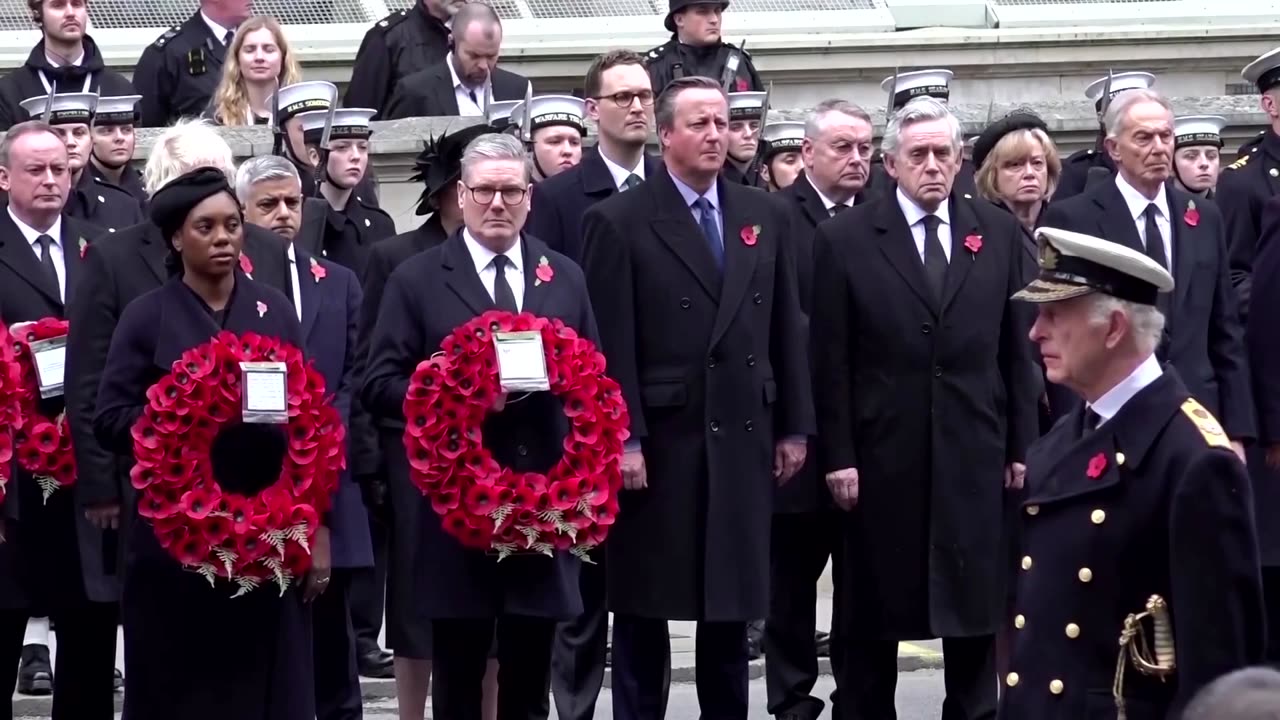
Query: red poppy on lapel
{"points": [[84, 246], [317, 270], [262, 307], [750, 235], [544, 272], [1192, 215], [973, 243], [246, 264], [742, 85], [1097, 464]]}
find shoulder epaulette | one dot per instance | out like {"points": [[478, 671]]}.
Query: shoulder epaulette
{"points": [[741, 50], [656, 53], [393, 19], [1206, 423], [168, 35], [1082, 155], [1239, 163]]}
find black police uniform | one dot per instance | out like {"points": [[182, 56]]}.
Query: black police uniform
{"points": [[1152, 502], [674, 59], [29, 80], [1081, 169], [1244, 188], [177, 74], [400, 44], [102, 203]]}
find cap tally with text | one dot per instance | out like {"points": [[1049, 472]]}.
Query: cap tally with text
{"points": [[119, 110], [551, 110], [1264, 72], [783, 136], [1198, 130], [920, 83], [68, 109], [1073, 264], [348, 124], [746, 105], [1119, 83], [303, 97]]}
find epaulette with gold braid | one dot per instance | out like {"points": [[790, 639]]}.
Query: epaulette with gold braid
{"points": [[1206, 423], [1239, 163]]}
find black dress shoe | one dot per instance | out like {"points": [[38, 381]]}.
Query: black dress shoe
{"points": [[117, 681], [378, 665], [35, 675]]}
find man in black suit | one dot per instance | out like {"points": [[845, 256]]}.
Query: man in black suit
{"points": [[1203, 337], [836, 153], [458, 84], [489, 264], [926, 388], [52, 562], [694, 284]]}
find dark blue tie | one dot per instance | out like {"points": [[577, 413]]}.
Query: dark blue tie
{"points": [[710, 230]]}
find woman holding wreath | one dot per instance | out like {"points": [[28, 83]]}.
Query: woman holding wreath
{"points": [[192, 651]]}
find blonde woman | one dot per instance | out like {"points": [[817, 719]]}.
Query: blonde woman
{"points": [[258, 61], [1018, 168]]}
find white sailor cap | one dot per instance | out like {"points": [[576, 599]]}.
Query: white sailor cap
{"points": [[1198, 130], [934, 83], [298, 98], [501, 109], [1073, 264], [68, 108], [746, 105], [1119, 83], [548, 110], [348, 124], [782, 136], [1264, 72], [120, 110]]}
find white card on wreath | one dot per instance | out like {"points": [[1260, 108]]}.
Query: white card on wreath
{"points": [[522, 363], [265, 392], [50, 356]]}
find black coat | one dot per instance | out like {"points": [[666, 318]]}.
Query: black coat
{"points": [[177, 74], [429, 92], [427, 297], [559, 202], [1264, 365], [1167, 514], [130, 182], [270, 663], [53, 538], [930, 405], [1244, 188], [714, 373], [25, 82], [673, 59], [346, 236], [1205, 340], [103, 204], [399, 45], [1080, 171]]}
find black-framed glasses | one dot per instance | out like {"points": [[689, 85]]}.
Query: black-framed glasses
{"points": [[485, 195], [624, 99]]}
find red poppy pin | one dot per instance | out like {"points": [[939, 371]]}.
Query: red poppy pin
{"points": [[973, 243], [1097, 464], [246, 264], [317, 270], [750, 235], [1192, 215], [84, 246], [742, 85], [262, 307], [544, 271]]}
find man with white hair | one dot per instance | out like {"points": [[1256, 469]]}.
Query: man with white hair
{"points": [[1139, 581], [926, 389]]}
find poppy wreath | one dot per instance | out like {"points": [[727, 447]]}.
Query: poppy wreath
{"points": [[43, 444], [217, 533], [489, 507], [10, 396]]}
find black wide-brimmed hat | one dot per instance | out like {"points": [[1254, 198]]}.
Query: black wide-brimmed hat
{"points": [[675, 6], [439, 165], [992, 134]]}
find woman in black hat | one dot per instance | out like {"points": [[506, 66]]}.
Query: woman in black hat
{"points": [[191, 650], [1018, 169]]}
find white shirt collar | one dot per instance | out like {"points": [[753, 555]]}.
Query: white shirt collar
{"points": [[289, 252], [827, 202], [619, 173], [1112, 400], [914, 213], [31, 234], [1138, 203], [457, 81], [219, 32], [482, 256]]}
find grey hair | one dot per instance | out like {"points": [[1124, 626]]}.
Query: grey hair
{"points": [[187, 145], [496, 146], [814, 121], [921, 109], [1147, 322], [1118, 110], [263, 168], [30, 127], [664, 108]]}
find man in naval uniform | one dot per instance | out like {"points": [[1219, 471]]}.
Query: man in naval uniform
{"points": [[746, 110], [696, 48], [902, 89], [1095, 162], [114, 143], [555, 137], [1135, 504]]}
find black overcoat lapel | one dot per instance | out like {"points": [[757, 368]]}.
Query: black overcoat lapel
{"points": [[462, 278], [19, 256], [739, 257], [674, 225], [899, 247], [964, 224]]}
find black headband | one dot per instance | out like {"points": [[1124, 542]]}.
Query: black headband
{"points": [[781, 145], [126, 117], [1203, 138], [902, 97], [339, 132], [558, 118], [71, 116]]}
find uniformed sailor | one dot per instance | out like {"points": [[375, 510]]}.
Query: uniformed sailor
{"points": [[696, 48], [905, 87], [398, 45], [1137, 530], [781, 159], [557, 129], [113, 145], [1197, 142], [499, 112], [746, 110], [1094, 162], [91, 199], [292, 101]]}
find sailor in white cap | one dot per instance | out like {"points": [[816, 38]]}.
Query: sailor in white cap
{"points": [[1197, 141], [292, 101], [113, 144], [554, 133], [782, 162], [500, 113], [745, 112], [95, 201], [902, 89], [355, 221], [1135, 504], [1076, 170]]}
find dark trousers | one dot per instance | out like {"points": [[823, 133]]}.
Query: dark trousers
{"points": [[579, 649], [85, 660], [642, 665], [800, 545], [460, 652], [871, 672], [1271, 603], [369, 591], [333, 644]]}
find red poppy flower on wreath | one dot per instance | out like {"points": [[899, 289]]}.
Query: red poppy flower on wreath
{"points": [[43, 444], [1097, 464], [1192, 215], [10, 396], [222, 535], [489, 507]]}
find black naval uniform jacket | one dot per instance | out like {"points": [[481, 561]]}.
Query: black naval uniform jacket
{"points": [[103, 204], [130, 182], [1243, 189], [400, 44], [347, 236], [1152, 502], [674, 59], [1081, 170], [91, 75], [177, 74]]}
